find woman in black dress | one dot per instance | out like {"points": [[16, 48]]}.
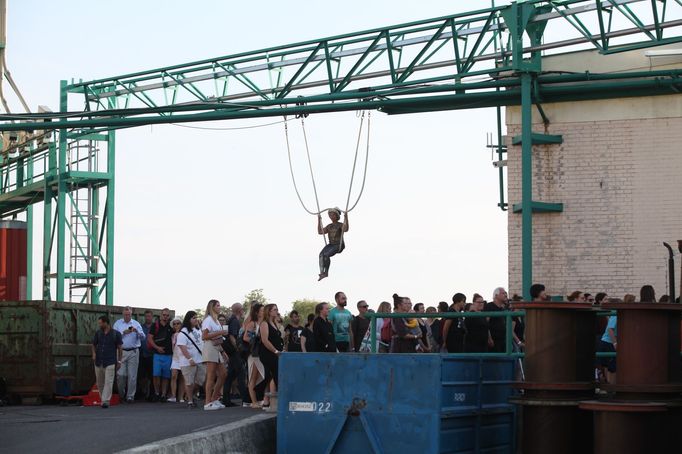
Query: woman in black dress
{"points": [[271, 343]]}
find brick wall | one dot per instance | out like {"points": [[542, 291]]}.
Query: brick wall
{"points": [[618, 173]]}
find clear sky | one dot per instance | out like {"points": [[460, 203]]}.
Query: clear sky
{"points": [[213, 214]]}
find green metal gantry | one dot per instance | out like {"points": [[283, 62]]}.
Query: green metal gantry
{"points": [[486, 58]]}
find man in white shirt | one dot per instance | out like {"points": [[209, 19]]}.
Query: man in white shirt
{"points": [[133, 336]]}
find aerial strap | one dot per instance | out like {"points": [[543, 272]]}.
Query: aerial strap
{"points": [[310, 166], [355, 161], [349, 207]]}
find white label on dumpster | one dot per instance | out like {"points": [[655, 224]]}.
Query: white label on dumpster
{"points": [[321, 407]]}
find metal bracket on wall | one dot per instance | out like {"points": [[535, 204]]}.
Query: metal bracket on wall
{"points": [[540, 139], [540, 207]]}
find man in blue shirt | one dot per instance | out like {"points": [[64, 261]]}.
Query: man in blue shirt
{"points": [[106, 354], [133, 336], [609, 343], [340, 318]]}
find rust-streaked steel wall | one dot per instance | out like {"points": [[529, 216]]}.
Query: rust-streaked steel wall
{"points": [[44, 341], [13, 260]]}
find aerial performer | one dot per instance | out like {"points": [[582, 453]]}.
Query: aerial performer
{"points": [[334, 232]]}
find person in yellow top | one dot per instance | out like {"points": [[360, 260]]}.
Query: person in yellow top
{"points": [[334, 232]]}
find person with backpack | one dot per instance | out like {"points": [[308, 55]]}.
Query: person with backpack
{"points": [[160, 339], [384, 328], [190, 360], [359, 326]]}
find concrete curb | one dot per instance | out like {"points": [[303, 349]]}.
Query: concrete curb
{"points": [[256, 434]]}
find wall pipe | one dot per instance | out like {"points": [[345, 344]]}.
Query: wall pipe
{"points": [[671, 272]]}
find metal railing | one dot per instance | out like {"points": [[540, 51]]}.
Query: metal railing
{"points": [[508, 315]]}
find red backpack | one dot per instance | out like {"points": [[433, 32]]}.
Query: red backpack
{"points": [[156, 329], [386, 331]]}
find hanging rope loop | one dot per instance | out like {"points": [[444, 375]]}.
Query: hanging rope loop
{"points": [[349, 206]]}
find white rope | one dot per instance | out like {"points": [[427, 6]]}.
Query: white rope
{"points": [[364, 174], [310, 165], [291, 170], [349, 207], [312, 176]]}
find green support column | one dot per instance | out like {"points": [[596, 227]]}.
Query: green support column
{"points": [[109, 213], [47, 238], [61, 199], [526, 185], [29, 235]]}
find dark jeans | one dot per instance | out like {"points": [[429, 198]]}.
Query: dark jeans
{"points": [[144, 377], [609, 363], [342, 347], [236, 370], [499, 345], [327, 252]]}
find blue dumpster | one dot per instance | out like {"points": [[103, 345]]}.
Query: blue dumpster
{"points": [[416, 404]]}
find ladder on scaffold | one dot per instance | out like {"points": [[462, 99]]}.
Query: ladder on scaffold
{"points": [[82, 221]]}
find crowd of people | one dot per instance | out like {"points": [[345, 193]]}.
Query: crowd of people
{"points": [[178, 360]]}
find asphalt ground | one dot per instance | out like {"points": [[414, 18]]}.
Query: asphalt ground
{"points": [[56, 429]]}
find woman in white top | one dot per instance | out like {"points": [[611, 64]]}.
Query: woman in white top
{"points": [[213, 356], [256, 371], [191, 362], [177, 383]]}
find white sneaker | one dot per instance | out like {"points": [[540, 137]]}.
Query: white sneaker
{"points": [[182, 401], [218, 404], [171, 399], [211, 407], [246, 405]]}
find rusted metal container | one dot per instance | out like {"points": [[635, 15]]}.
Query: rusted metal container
{"points": [[555, 426], [13, 265], [559, 373], [45, 343], [635, 427], [560, 351], [648, 352]]}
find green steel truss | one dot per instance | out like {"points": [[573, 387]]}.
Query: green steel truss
{"points": [[484, 58], [72, 174]]}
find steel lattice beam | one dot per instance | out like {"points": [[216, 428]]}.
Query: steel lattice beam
{"points": [[484, 58]]}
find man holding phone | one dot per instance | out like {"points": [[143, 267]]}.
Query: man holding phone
{"points": [[133, 335]]}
